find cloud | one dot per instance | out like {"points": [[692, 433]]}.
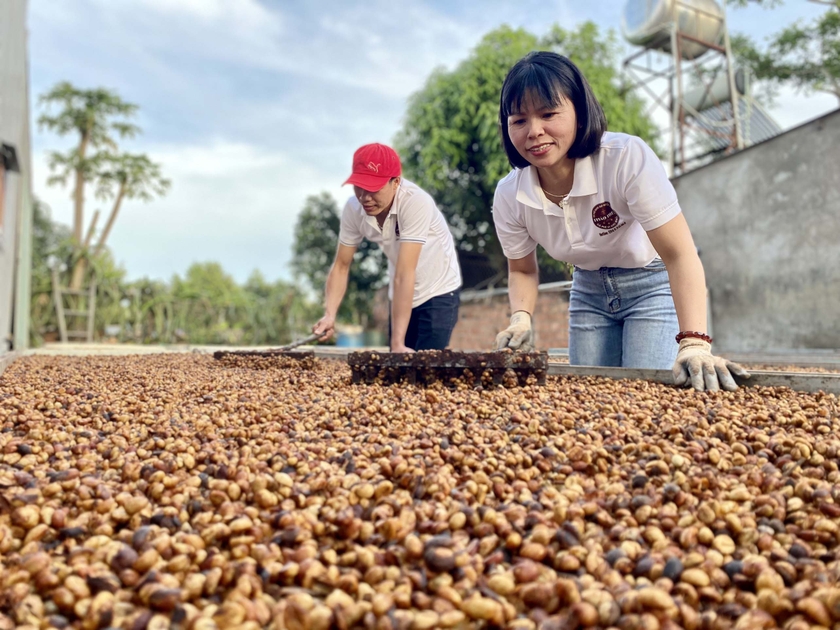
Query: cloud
{"points": [[230, 202], [252, 105]]}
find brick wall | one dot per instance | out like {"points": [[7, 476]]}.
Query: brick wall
{"points": [[479, 321]]}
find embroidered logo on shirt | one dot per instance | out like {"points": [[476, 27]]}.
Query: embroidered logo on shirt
{"points": [[373, 167], [605, 218]]}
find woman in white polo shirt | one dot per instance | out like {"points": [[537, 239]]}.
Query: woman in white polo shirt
{"points": [[602, 202], [405, 222]]}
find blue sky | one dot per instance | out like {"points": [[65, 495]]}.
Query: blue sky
{"points": [[252, 105]]}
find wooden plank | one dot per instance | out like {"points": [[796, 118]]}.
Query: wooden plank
{"points": [[59, 306], [91, 310]]}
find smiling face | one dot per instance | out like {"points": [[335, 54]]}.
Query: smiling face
{"points": [[542, 133], [379, 201]]}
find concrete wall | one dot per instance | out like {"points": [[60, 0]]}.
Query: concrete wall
{"points": [[14, 130], [767, 223]]}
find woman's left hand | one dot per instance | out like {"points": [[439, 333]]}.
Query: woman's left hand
{"points": [[401, 348], [697, 367]]}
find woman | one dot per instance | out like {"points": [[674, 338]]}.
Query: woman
{"points": [[602, 202]]}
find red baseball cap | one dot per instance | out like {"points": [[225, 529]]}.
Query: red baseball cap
{"points": [[373, 166]]}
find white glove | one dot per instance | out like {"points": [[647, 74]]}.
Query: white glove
{"points": [[517, 336], [697, 367]]}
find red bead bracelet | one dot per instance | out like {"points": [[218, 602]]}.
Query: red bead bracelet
{"points": [[693, 334]]}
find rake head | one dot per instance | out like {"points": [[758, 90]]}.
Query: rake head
{"points": [[485, 369]]}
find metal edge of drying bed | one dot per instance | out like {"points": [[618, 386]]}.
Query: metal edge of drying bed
{"points": [[798, 381]]}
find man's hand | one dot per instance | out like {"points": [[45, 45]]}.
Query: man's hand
{"points": [[401, 348], [697, 367], [325, 326], [517, 336]]}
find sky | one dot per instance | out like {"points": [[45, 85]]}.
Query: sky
{"points": [[250, 106]]}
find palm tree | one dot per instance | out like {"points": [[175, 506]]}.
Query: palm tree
{"points": [[91, 114], [133, 177]]}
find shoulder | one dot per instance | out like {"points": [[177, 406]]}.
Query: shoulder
{"points": [[352, 210], [412, 196], [614, 145], [509, 184], [627, 153]]}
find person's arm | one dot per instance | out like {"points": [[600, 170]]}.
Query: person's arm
{"points": [[695, 364], [335, 289], [674, 244], [523, 282], [403, 299]]}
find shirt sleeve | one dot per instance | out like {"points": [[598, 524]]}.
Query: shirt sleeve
{"points": [[349, 233], [415, 219], [512, 232], [649, 194]]}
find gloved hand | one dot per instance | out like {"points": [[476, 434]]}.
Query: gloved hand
{"points": [[697, 367], [519, 335]]}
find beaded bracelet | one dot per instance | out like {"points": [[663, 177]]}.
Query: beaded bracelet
{"points": [[693, 334]]}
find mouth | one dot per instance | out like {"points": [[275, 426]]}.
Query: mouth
{"points": [[540, 149]]}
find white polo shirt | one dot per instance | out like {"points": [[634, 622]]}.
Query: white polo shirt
{"points": [[619, 193], [414, 218]]}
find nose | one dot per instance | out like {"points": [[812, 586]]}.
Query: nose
{"points": [[535, 127]]}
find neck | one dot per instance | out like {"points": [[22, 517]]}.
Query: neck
{"points": [[558, 178], [380, 218]]}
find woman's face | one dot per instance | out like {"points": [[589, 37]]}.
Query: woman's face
{"points": [[543, 135]]}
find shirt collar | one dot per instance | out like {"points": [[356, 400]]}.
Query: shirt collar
{"points": [[528, 189], [391, 213]]}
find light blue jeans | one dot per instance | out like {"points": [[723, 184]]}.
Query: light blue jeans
{"points": [[623, 318]]}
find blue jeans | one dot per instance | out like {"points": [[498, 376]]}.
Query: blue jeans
{"points": [[432, 322], [623, 318]]}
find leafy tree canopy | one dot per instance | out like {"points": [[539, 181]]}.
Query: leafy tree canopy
{"points": [[450, 143]]}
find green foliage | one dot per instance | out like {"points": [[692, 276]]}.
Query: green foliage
{"points": [[133, 175], [90, 113], [206, 306], [95, 116], [316, 240], [450, 143], [804, 55]]}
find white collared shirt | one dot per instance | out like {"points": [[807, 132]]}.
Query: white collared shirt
{"points": [[414, 218], [619, 193]]}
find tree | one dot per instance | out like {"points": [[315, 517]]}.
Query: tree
{"points": [[90, 114], [95, 116], [804, 55], [450, 143], [316, 239], [127, 176]]}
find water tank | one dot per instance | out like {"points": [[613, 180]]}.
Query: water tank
{"points": [[648, 23], [701, 98]]}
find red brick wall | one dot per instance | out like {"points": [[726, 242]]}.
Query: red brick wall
{"points": [[479, 321]]}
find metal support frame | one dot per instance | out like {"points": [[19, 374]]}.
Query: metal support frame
{"points": [[686, 147]]}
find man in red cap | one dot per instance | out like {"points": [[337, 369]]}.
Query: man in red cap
{"points": [[425, 277]]}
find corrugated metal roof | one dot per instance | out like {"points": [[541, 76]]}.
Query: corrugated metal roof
{"points": [[756, 124]]}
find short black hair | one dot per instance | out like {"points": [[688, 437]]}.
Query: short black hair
{"points": [[549, 77]]}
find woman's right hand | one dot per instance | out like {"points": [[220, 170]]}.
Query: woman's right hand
{"points": [[519, 335], [325, 326]]}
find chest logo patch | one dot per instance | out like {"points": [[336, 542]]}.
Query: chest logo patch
{"points": [[604, 217]]}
